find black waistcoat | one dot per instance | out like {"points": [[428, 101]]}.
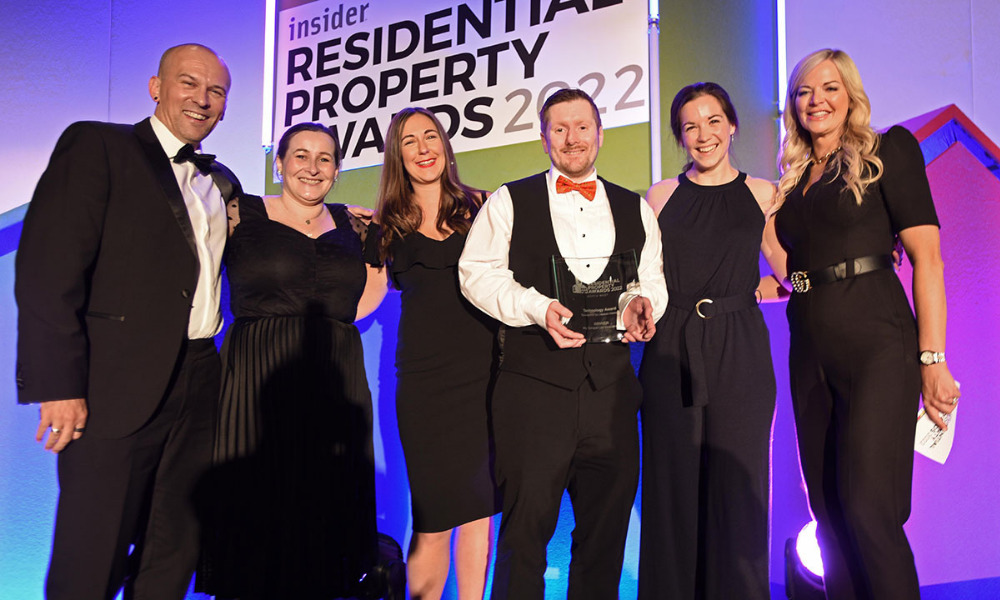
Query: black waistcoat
{"points": [[530, 350]]}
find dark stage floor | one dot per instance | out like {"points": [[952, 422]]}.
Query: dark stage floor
{"points": [[978, 589]]}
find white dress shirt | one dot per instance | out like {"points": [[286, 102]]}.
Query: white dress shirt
{"points": [[583, 228], [207, 212]]}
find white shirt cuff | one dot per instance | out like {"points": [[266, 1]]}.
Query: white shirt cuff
{"points": [[535, 305]]}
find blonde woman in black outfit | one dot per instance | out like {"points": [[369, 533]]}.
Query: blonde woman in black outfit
{"points": [[858, 360]]}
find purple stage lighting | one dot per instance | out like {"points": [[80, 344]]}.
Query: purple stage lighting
{"points": [[803, 566], [807, 548]]}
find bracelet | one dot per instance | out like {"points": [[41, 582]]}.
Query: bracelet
{"points": [[760, 297]]}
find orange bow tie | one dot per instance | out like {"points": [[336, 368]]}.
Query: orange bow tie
{"points": [[587, 189]]}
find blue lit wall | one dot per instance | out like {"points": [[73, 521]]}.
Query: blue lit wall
{"points": [[27, 475]]}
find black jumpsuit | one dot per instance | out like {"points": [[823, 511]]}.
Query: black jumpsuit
{"points": [[708, 404], [854, 372]]}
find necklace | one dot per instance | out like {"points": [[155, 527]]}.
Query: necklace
{"points": [[291, 217], [825, 157], [289, 211], [309, 221]]}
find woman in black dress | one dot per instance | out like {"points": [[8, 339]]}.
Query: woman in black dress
{"points": [[444, 357], [292, 495], [708, 382], [858, 360]]}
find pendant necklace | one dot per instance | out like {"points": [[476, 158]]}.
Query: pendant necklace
{"points": [[825, 157]]}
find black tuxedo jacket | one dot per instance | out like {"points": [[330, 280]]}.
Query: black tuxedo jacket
{"points": [[105, 273]]}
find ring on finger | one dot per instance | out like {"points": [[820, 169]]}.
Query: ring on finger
{"points": [[56, 430], [954, 401], [79, 429]]}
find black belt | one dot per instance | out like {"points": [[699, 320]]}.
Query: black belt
{"points": [[803, 281], [706, 308], [196, 349], [199, 344], [701, 310]]}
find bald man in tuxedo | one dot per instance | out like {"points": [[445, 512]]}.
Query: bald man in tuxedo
{"points": [[117, 285]]}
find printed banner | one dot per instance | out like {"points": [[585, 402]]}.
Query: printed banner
{"points": [[484, 67]]}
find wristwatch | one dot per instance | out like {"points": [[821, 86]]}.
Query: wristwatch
{"points": [[929, 357]]}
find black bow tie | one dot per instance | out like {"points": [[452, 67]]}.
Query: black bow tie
{"points": [[203, 162]]}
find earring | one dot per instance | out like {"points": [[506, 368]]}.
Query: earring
{"points": [[156, 98]]}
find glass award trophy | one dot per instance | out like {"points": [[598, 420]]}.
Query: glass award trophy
{"points": [[595, 304]]}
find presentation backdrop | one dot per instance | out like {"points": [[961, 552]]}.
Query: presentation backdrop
{"points": [[483, 66]]}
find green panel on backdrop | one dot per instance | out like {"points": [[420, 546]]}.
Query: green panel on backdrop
{"points": [[624, 159], [741, 57]]}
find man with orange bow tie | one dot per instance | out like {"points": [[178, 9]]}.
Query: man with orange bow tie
{"points": [[564, 410]]}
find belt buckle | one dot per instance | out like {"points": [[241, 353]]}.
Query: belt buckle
{"points": [[800, 282], [697, 307]]}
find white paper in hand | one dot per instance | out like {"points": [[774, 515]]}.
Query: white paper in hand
{"points": [[930, 440]]}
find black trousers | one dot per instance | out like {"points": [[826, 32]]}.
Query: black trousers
{"points": [[706, 469], [705, 497], [549, 439], [855, 416], [114, 493]]}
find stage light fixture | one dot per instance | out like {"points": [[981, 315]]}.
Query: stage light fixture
{"points": [[807, 548], [804, 566]]}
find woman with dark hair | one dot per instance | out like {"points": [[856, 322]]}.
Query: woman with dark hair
{"points": [[858, 360], [444, 356], [708, 383], [291, 500]]}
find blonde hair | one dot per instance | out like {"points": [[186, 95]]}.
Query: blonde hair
{"points": [[859, 142]]}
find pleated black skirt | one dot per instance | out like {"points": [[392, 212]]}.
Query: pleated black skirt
{"points": [[289, 507]]}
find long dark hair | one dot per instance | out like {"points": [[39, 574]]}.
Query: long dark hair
{"points": [[395, 210], [697, 90]]}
